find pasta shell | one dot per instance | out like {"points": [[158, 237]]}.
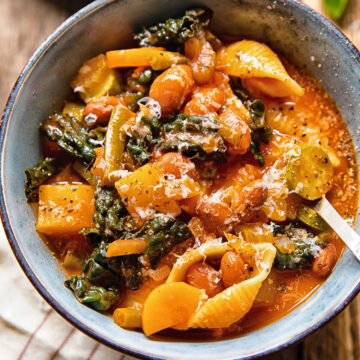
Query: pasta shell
{"points": [[260, 66], [232, 304], [207, 250]]}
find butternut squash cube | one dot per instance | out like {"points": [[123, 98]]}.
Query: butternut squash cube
{"points": [[65, 209], [143, 192]]}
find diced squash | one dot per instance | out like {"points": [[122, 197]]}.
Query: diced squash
{"points": [[156, 57], [126, 247], [183, 188], [143, 192], [74, 110], [95, 79], [170, 304], [256, 233], [127, 318], [65, 209]]}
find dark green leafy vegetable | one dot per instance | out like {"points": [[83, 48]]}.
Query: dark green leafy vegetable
{"points": [[258, 136], [97, 286], [143, 139], [84, 171], [257, 111], [72, 137], [238, 88], [260, 133], [163, 233], [37, 175], [128, 267], [306, 244], [95, 268], [335, 8], [191, 135], [173, 33], [112, 220], [96, 297]]}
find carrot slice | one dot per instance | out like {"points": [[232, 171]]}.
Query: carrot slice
{"points": [[156, 57], [170, 304], [126, 247]]}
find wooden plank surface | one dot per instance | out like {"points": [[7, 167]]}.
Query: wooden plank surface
{"points": [[25, 24]]}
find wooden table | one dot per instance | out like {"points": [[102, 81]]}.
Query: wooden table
{"points": [[25, 24]]}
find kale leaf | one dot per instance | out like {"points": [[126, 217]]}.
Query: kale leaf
{"points": [[143, 141], [194, 136], [96, 297], [174, 31], [37, 175], [128, 268], [162, 232], [73, 137], [97, 286], [260, 132], [112, 220], [238, 88]]}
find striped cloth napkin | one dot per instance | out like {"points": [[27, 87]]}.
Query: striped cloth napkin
{"points": [[30, 329]]}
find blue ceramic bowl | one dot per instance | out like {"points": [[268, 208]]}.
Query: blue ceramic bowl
{"points": [[289, 27]]}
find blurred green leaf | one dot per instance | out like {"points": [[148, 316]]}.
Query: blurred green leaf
{"points": [[335, 8]]}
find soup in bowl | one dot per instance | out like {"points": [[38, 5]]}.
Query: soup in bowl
{"points": [[176, 184]]}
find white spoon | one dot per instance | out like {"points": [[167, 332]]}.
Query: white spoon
{"points": [[339, 225]]}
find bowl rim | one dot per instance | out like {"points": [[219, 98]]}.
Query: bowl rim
{"points": [[65, 26]]}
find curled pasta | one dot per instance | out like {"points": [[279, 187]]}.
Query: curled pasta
{"points": [[233, 303], [260, 66]]}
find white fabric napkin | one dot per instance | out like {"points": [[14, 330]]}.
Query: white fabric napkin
{"points": [[30, 329]]}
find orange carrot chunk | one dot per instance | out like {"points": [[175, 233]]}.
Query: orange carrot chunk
{"points": [[170, 304], [126, 247]]}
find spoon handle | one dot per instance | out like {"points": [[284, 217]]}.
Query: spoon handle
{"points": [[339, 225]]}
